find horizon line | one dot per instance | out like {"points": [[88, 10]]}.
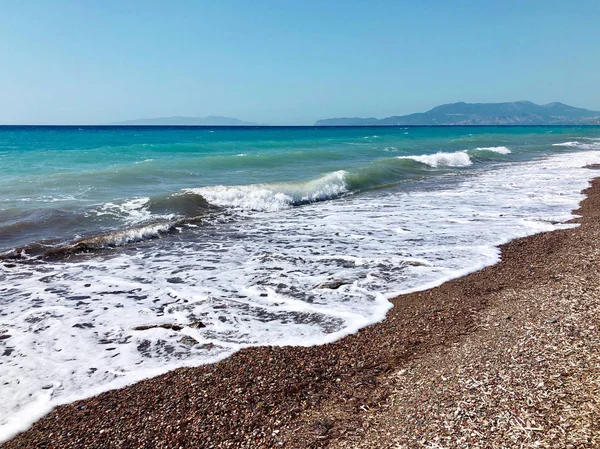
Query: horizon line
{"points": [[99, 125]]}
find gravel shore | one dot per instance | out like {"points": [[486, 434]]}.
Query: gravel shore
{"points": [[506, 357]]}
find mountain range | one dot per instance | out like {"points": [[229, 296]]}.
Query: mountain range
{"points": [[211, 120], [510, 113]]}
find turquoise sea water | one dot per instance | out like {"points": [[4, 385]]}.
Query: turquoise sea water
{"points": [[236, 236], [61, 183]]}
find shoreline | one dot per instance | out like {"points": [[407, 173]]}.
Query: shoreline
{"points": [[323, 395]]}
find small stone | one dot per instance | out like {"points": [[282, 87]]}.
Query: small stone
{"points": [[188, 341], [175, 280], [552, 320], [174, 327], [333, 285]]}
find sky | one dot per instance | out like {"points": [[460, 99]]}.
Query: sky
{"points": [[289, 62]]}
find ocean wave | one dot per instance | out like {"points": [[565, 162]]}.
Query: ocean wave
{"points": [[131, 211], [441, 159], [499, 150], [275, 196], [107, 240], [101, 241], [177, 205], [145, 209], [567, 144], [380, 173], [579, 145], [111, 240]]}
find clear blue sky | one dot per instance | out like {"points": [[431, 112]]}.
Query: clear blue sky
{"points": [[289, 62]]}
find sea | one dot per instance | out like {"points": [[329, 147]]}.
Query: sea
{"points": [[126, 252]]}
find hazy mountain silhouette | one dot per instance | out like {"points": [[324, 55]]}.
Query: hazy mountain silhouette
{"points": [[512, 113]]}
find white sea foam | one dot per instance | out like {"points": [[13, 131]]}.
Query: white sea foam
{"points": [[42, 199], [579, 145], [499, 150], [441, 159], [567, 144], [131, 212], [259, 281], [275, 196], [456, 159]]}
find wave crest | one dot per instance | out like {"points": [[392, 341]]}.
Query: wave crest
{"points": [[111, 240], [499, 150], [275, 196], [578, 145], [441, 159]]}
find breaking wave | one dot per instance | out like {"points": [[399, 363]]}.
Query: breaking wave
{"points": [[499, 150], [579, 145], [380, 173], [92, 243], [441, 159], [275, 196]]}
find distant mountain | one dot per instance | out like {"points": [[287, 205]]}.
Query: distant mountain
{"points": [[513, 113], [211, 120]]}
